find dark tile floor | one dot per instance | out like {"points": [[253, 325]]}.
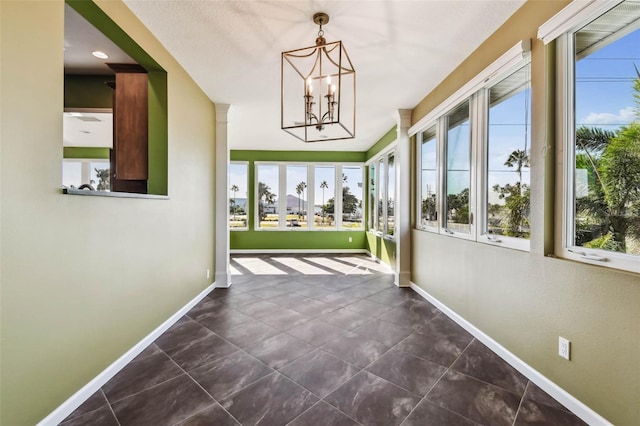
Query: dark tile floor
{"points": [[319, 341]]}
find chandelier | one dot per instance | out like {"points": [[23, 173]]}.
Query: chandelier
{"points": [[318, 90]]}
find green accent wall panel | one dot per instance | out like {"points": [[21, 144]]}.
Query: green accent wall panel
{"points": [[88, 91], [382, 248], [382, 143], [86, 152], [297, 240]]}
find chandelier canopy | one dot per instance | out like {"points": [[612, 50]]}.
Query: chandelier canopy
{"points": [[318, 90]]}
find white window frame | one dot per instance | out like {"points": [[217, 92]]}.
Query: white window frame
{"points": [[256, 195], [248, 206], [475, 91], [282, 200], [381, 184], [561, 28], [483, 162], [419, 141]]}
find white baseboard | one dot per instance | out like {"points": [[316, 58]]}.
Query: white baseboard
{"points": [[68, 407], [381, 262], [565, 398], [294, 251]]}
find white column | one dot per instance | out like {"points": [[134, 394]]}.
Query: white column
{"points": [[403, 199], [222, 277]]}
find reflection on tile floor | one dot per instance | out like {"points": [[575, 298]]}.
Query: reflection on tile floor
{"points": [[317, 340]]}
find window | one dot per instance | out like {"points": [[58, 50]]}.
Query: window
{"points": [[382, 190], [473, 157], [507, 190], [268, 186], [91, 174], [372, 196], [601, 133], [297, 209], [352, 197], [311, 201], [391, 190], [325, 181], [428, 179], [458, 177], [238, 200]]}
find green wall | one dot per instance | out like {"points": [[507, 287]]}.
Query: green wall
{"points": [[85, 152], [88, 91], [382, 143], [252, 239], [78, 271], [526, 300]]}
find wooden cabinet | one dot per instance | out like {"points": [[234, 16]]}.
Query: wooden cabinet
{"points": [[130, 154]]}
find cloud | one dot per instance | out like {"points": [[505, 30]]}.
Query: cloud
{"points": [[624, 116]]}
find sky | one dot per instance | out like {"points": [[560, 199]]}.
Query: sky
{"points": [[269, 174], [604, 84]]}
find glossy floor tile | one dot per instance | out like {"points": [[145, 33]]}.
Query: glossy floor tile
{"points": [[317, 340]]}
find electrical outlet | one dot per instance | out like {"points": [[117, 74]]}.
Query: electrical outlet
{"points": [[564, 348], [208, 273], [350, 239]]}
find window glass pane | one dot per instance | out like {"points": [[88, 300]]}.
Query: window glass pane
{"points": [[268, 184], [508, 175], [238, 206], [607, 145], [72, 174], [381, 203], [391, 191], [297, 196], [325, 177], [352, 197], [428, 184], [372, 195], [458, 169], [100, 171], [89, 174]]}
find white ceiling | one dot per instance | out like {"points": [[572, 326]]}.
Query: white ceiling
{"points": [[80, 39], [400, 49]]}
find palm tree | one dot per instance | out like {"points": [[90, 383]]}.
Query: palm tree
{"points": [[265, 196], [234, 189], [520, 159], [612, 162], [300, 190], [323, 185]]}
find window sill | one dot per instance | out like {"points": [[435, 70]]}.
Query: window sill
{"points": [[85, 192]]}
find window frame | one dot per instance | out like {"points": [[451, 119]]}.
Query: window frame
{"points": [[483, 163], [419, 142], [378, 215], [476, 93], [248, 199], [311, 191], [575, 19]]}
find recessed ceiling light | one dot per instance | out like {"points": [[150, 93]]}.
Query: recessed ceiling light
{"points": [[99, 54]]}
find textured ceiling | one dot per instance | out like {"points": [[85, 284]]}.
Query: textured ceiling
{"points": [[400, 49]]}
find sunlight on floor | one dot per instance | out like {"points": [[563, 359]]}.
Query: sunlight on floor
{"points": [[366, 263], [311, 265], [259, 266], [337, 266], [300, 266]]}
